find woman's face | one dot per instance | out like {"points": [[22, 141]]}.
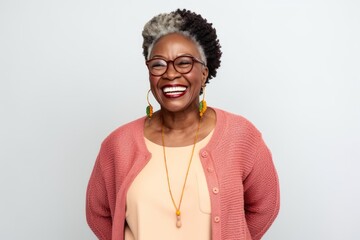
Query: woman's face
{"points": [[174, 91]]}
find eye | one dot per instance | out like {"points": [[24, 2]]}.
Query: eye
{"points": [[183, 62], [157, 63]]}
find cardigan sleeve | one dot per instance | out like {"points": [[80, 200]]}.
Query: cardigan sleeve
{"points": [[261, 192], [98, 212]]}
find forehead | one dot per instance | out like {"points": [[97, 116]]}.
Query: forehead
{"points": [[174, 44]]}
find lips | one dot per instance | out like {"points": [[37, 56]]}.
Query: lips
{"points": [[174, 91]]}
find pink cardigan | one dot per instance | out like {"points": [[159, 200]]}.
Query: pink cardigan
{"points": [[241, 178]]}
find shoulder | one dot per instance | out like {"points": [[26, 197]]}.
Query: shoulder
{"points": [[235, 123], [130, 132], [236, 136]]}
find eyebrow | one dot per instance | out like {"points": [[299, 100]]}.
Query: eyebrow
{"points": [[157, 56], [181, 55]]}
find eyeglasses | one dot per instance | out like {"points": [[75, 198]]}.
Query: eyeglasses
{"points": [[182, 64]]}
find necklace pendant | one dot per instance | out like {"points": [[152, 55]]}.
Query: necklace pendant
{"points": [[178, 221]]}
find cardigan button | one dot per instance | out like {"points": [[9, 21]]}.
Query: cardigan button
{"points": [[217, 219], [210, 169], [204, 154], [215, 190]]}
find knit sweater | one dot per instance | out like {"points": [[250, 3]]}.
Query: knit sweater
{"points": [[240, 174]]}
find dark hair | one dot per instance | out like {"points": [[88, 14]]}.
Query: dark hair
{"points": [[191, 25]]}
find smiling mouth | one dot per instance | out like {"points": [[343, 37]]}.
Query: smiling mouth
{"points": [[174, 91]]}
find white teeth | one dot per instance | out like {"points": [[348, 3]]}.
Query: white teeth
{"points": [[173, 89]]}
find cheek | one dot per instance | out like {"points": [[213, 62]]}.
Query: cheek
{"points": [[195, 77], [153, 80]]}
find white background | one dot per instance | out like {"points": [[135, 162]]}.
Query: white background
{"points": [[73, 71]]}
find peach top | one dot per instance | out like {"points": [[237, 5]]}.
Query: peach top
{"points": [[148, 197]]}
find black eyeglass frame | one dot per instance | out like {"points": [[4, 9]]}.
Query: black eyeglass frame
{"points": [[194, 60]]}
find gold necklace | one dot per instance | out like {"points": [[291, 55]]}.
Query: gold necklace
{"points": [[177, 208]]}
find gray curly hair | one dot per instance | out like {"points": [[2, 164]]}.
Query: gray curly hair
{"points": [[162, 25]]}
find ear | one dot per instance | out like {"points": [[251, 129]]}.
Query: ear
{"points": [[205, 74]]}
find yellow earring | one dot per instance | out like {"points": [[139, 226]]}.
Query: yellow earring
{"points": [[202, 105], [149, 108]]}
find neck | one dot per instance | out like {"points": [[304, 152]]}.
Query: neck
{"points": [[179, 121]]}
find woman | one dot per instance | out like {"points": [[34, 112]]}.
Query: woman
{"points": [[185, 171]]}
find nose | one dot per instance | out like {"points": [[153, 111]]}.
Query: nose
{"points": [[171, 72]]}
